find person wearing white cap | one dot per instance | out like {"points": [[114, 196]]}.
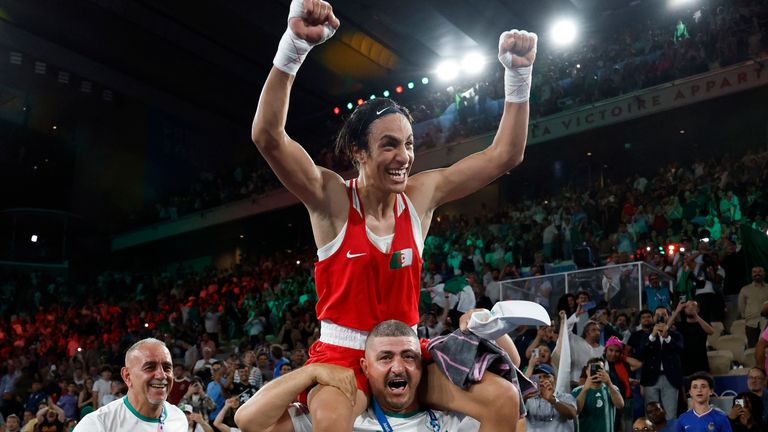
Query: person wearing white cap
{"points": [[196, 422], [148, 373]]}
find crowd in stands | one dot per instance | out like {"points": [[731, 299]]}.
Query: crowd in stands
{"points": [[229, 331], [622, 57]]}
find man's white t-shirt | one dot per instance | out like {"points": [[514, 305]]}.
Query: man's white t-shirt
{"points": [[120, 416], [102, 388], [419, 421]]}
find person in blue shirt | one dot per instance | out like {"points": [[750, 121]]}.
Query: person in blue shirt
{"points": [[655, 295], [216, 388], [36, 397], [702, 417]]}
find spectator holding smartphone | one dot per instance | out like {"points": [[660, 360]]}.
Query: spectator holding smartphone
{"points": [[198, 399], [694, 331], [746, 414], [549, 410], [598, 399], [661, 374], [196, 421]]}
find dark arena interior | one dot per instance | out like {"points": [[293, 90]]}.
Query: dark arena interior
{"points": [[134, 203]]}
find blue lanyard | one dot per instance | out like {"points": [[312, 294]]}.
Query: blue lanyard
{"points": [[161, 422], [384, 422]]}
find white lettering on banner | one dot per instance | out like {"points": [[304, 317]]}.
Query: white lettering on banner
{"points": [[650, 101]]}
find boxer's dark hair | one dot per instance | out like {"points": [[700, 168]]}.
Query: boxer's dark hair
{"points": [[354, 133]]}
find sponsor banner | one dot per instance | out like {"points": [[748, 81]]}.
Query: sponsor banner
{"points": [[664, 97]]}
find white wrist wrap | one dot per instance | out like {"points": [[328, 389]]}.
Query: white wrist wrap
{"points": [[292, 50], [517, 80], [517, 84]]}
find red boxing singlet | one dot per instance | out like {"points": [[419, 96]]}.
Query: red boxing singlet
{"points": [[359, 286]]}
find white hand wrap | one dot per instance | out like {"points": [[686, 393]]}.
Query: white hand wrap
{"points": [[517, 80], [292, 50]]}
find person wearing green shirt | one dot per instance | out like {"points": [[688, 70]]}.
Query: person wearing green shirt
{"points": [[598, 399]]}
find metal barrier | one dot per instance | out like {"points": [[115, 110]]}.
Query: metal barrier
{"points": [[620, 285]]}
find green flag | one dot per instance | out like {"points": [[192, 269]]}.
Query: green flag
{"points": [[455, 284]]}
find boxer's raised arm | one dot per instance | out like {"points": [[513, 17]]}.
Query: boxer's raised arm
{"points": [[310, 22], [517, 52]]}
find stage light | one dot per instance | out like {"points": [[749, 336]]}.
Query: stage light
{"points": [[146, 325], [350, 105], [372, 97], [410, 85], [682, 249], [563, 32], [360, 101], [385, 93], [336, 110], [705, 239], [33, 239], [473, 63], [672, 4], [648, 248], [425, 80], [399, 89], [447, 70]]}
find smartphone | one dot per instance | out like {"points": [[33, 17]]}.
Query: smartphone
{"points": [[739, 402], [535, 380], [536, 352], [683, 299], [594, 368], [661, 320]]}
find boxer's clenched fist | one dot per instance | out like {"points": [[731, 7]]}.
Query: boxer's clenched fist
{"points": [[517, 48], [308, 20]]}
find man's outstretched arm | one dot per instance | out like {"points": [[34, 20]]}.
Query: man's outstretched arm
{"points": [[267, 409]]}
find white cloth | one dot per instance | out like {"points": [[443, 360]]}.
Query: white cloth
{"points": [[505, 317], [118, 416], [418, 422], [465, 299], [581, 351]]}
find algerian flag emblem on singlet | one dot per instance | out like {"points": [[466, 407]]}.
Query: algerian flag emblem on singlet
{"points": [[401, 258]]}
